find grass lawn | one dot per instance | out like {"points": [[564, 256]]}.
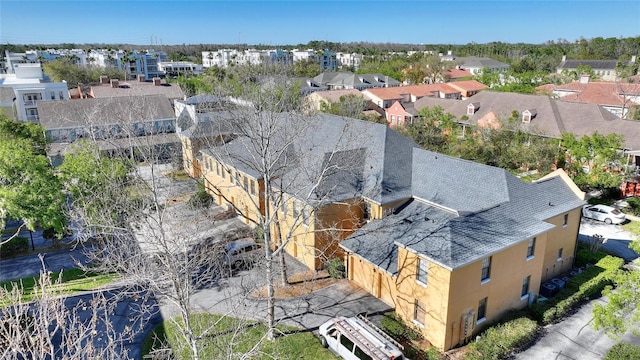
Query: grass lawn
{"points": [[633, 227], [73, 280], [230, 337]]}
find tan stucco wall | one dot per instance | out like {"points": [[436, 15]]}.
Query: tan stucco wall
{"points": [[564, 237]]}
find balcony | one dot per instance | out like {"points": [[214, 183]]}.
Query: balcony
{"points": [[33, 118], [30, 103]]}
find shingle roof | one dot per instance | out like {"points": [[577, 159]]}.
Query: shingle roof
{"points": [[600, 93], [594, 64], [103, 111], [358, 158], [136, 88], [553, 117], [480, 62], [357, 81], [335, 95], [454, 241]]}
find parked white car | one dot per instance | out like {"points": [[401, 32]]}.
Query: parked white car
{"points": [[608, 214], [356, 338]]}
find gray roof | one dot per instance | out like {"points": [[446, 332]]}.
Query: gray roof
{"points": [[6, 95], [137, 88], [553, 117], [594, 64], [356, 158], [103, 111], [456, 240], [356, 81], [480, 62]]}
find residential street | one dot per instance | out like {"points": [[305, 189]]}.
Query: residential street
{"points": [[574, 339], [617, 240]]}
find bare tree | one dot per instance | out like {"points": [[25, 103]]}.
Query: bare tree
{"points": [[286, 173], [50, 326], [140, 222]]}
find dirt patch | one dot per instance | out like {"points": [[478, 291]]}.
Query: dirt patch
{"points": [[178, 199], [299, 284]]}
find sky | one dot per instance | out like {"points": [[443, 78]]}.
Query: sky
{"points": [[271, 22]]}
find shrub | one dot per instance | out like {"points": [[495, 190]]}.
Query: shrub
{"points": [[634, 205], [17, 245], [623, 351], [398, 330], [501, 340], [589, 283], [335, 268], [585, 256], [201, 198]]}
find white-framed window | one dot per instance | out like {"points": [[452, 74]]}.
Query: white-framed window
{"points": [[422, 271], [531, 247], [486, 269], [305, 216], [566, 220], [525, 287], [482, 310], [296, 209], [252, 184], [419, 312]]}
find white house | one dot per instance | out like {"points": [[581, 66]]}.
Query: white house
{"points": [[29, 86]]}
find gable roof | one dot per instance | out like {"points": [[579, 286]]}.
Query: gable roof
{"points": [[594, 64], [103, 111], [553, 117], [480, 62], [137, 88], [456, 240], [356, 158], [335, 95], [598, 92], [397, 93], [356, 81]]}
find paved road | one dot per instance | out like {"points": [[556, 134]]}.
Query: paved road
{"points": [[574, 339], [30, 265]]}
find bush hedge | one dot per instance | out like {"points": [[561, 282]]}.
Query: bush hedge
{"points": [[623, 351], [634, 206], [589, 283], [499, 341], [17, 245]]}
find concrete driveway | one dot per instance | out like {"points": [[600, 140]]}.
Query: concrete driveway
{"points": [[617, 239]]}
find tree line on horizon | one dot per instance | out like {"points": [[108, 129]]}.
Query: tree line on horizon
{"points": [[597, 48]]}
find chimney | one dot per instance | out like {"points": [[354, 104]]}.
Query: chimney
{"points": [[140, 78], [156, 81], [584, 78], [564, 57], [104, 79], [114, 83]]}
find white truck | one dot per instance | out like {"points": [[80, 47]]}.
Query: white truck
{"points": [[356, 338]]}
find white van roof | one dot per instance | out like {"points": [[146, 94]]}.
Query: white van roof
{"points": [[371, 338]]}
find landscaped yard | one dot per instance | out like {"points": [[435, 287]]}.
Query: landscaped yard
{"points": [[71, 281], [229, 338]]}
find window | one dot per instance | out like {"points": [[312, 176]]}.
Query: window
{"points": [[566, 220], [284, 205], [559, 254], [422, 271], [296, 209], [366, 211], [245, 184], [346, 342], [486, 269], [525, 286], [482, 310], [361, 354], [218, 168], [223, 172], [305, 216], [253, 187], [531, 248], [231, 176], [419, 312]]}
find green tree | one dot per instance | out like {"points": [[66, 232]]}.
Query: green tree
{"points": [[29, 190], [64, 69], [306, 68], [593, 161], [95, 182]]}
